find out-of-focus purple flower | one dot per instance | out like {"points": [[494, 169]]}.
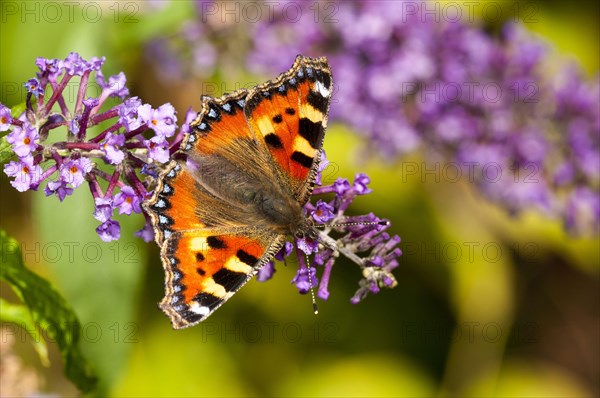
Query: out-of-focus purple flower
{"points": [[23, 139], [109, 230], [33, 87], [26, 173], [161, 120], [59, 188], [583, 211], [73, 171], [111, 146], [127, 201]]}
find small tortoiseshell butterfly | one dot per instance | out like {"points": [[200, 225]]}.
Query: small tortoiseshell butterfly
{"points": [[251, 160]]}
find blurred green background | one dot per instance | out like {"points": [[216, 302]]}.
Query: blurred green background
{"points": [[486, 304]]}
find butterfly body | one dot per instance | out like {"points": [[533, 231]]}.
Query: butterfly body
{"points": [[256, 201], [251, 160]]}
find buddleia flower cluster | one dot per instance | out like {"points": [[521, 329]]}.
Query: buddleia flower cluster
{"points": [[410, 80], [60, 147], [116, 145]]}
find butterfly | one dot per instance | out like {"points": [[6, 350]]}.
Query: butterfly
{"points": [[247, 168]]}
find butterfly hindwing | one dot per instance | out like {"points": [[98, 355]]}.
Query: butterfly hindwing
{"points": [[289, 114], [206, 267]]}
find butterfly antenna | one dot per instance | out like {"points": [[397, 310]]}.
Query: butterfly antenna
{"points": [[347, 224], [312, 291]]}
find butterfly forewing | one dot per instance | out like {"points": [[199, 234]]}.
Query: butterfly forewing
{"points": [[289, 114]]}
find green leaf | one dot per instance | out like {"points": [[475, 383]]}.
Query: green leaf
{"points": [[20, 316], [48, 310], [6, 151], [18, 109]]}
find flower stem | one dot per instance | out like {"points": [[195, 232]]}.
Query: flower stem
{"points": [[57, 95], [81, 93]]}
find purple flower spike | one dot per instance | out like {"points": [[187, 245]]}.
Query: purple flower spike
{"points": [[109, 230], [127, 201], [26, 173], [5, 118], [59, 188], [266, 272], [111, 147], [33, 87], [161, 120], [74, 171]]}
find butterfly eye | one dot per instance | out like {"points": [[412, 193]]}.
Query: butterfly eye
{"points": [[248, 195]]}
